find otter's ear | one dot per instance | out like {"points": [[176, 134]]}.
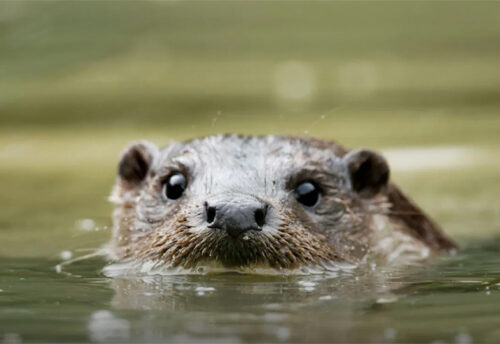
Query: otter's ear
{"points": [[369, 171], [135, 162]]}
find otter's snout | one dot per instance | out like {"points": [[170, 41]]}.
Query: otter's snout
{"points": [[236, 215]]}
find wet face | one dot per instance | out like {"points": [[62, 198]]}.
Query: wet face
{"points": [[245, 202]]}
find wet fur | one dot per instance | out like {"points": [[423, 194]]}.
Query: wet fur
{"points": [[347, 226]]}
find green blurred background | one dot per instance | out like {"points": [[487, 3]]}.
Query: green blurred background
{"points": [[79, 79]]}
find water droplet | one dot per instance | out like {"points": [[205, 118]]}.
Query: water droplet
{"points": [[85, 224], [65, 255]]}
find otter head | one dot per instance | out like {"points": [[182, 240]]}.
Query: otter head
{"points": [[237, 201]]}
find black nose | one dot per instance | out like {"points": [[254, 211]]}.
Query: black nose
{"points": [[236, 217]]}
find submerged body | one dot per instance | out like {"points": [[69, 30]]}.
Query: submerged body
{"points": [[256, 202]]}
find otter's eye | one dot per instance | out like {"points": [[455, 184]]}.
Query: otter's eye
{"points": [[174, 186], [307, 194]]}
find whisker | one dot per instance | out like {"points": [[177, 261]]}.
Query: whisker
{"points": [[98, 253]]}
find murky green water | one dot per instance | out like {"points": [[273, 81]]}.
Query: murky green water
{"points": [[79, 80], [453, 300]]}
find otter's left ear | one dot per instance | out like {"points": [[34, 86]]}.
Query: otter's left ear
{"points": [[368, 171]]}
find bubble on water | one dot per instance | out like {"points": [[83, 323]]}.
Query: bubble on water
{"points": [[326, 297], [104, 326], [205, 289], [390, 334], [463, 338], [85, 224], [295, 81], [65, 255], [307, 283], [200, 291], [387, 299]]}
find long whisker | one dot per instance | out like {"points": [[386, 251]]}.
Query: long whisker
{"points": [[98, 253]]}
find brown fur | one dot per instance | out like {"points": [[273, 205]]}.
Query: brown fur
{"points": [[348, 224]]}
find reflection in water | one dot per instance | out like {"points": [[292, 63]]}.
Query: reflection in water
{"points": [[247, 307], [367, 305], [453, 300]]}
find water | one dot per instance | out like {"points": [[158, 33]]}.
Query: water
{"points": [[53, 210], [452, 300], [417, 80]]}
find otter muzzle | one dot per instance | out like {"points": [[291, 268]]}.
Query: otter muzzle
{"points": [[236, 214]]}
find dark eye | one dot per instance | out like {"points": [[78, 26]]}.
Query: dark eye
{"points": [[308, 194], [174, 186]]}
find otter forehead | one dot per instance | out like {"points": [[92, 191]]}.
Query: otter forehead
{"points": [[248, 163]]}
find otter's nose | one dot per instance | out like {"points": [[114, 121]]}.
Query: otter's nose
{"points": [[236, 216]]}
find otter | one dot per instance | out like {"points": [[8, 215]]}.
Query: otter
{"points": [[272, 202]]}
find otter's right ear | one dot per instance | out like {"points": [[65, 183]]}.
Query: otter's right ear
{"points": [[368, 171], [135, 163]]}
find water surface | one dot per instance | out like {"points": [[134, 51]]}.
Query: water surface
{"points": [[452, 300]]}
